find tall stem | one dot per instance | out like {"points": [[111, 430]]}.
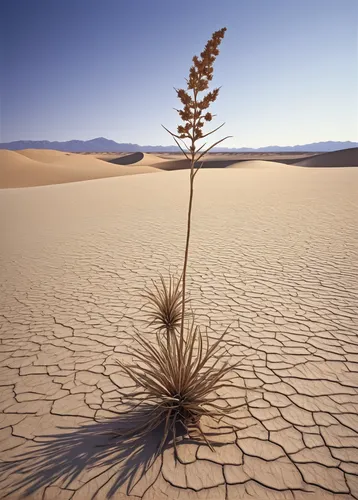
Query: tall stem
{"points": [[186, 253], [193, 140]]}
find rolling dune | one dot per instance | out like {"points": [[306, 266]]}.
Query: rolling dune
{"points": [[35, 167], [45, 155], [219, 163], [181, 164], [343, 158], [257, 164], [172, 164], [30, 168], [139, 159]]}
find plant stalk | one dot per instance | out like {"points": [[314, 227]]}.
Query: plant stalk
{"points": [[186, 253], [193, 152]]}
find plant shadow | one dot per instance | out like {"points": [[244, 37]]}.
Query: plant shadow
{"points": [[90, 450]]}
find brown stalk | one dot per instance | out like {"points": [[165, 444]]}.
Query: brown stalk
{"points": [[200, 75]]}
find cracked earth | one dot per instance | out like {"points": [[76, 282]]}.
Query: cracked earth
{"points": [[274, 253]]}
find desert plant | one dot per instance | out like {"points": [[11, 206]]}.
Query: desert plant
{"points": [[179, 379], [180, 373], [164, 304]]}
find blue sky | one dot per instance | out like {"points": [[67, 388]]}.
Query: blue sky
{"points": [[79, 69]]}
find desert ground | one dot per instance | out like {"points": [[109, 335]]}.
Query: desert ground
{"points": [[274, 254]]}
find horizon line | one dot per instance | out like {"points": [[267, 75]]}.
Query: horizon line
{"points": [[175, 146]]}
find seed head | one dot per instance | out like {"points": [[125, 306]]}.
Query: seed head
{"points": [[200, 74]]}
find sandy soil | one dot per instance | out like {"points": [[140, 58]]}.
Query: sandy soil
{"points": [[274, 252]]}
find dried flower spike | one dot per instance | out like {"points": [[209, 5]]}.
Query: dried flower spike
{"points": [[193, 116]]}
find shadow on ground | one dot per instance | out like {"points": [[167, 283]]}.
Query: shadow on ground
{"points": [[74, 453]]}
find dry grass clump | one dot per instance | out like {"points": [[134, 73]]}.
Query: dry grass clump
{"points": [[179, 379], [165, 304], [179, 374]]}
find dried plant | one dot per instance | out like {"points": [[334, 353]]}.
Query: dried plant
{"points": [[178, 381], [179, 374], [165, 304]]}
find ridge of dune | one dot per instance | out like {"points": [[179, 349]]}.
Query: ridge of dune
{"points": [[105, 156], [257, 164], [53, 157], [6, 156], [44, 155], [19, 170], [221, 163], [172, 164], [342, 158], [151, 159], [128, 159], [145, 159], [183, 163]]}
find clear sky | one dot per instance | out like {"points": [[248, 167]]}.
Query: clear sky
{"points": [[79, 69]]}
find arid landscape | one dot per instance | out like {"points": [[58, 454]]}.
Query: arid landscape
{"points": [[274, 254], [31, 167], [179, 250]]}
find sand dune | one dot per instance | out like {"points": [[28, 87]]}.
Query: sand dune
{"points": [[257, 164], [34, 167], [42, 167], [45, 155], [172, 164], [82, 161], [105, 156], [343, 158], [281, 157], [219, 163], [180, 164], [144, 159]]}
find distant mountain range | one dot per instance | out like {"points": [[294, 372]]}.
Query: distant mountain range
{"points": [[102, 145]]}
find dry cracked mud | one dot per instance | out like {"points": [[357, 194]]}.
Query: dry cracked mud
{"points": [[274, 253]]}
